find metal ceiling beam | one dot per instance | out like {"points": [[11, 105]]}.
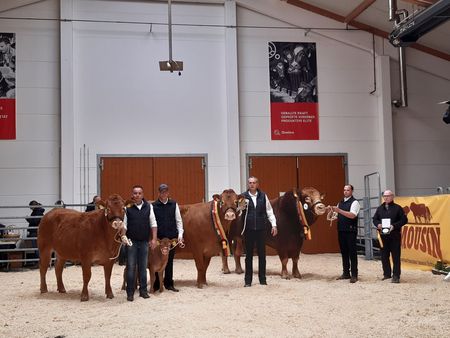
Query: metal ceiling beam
{"points": [[364, 27], [358, 10], [423, 3], [7, 5]]}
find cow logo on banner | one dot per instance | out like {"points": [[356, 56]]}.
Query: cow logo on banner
{"points": [[293, 91], [7, 86]]}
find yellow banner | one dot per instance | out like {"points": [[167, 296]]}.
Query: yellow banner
{"points": [[426, 237]]}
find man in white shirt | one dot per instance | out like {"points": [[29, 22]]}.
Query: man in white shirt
{"points": [[258, 211]]}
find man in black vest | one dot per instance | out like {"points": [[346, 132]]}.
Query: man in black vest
{"points": [[391, 217], [170, 225], [258, 211], [139, 219], [347, 226]]}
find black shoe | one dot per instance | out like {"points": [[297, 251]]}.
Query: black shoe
{"points": [[130, 298], [343, 277], [263, 283], [247, 285], [395, 279], [386, 277], [172, 288], [144, 295], [353, 279]]}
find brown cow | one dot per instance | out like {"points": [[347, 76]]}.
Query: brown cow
{"points": [[289, 240], [157, 261], [88, 238], [200, 237], [420, 211]]}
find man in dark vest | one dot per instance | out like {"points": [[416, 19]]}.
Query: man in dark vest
{"points": [[389, 219], [258, 211], [347, 226], [141, 229], [170, 225]]}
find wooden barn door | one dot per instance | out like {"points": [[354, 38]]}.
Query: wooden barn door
{"points": [[184, 175], [326, 174], [278, 174], [119, 174]]}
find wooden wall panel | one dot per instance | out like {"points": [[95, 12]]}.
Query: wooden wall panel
{"points": [[326, 174]]}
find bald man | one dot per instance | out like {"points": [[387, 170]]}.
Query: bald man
{"points": [[389, 219]]}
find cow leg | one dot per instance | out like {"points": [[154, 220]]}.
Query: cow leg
{"points": [[59, 267], [225, 268], [107, 268], [284, 272], [237, 256], [202, 274], [44, 261], [152, 281], [87, 273], [161, 280], [295, 270], [124, 282]]}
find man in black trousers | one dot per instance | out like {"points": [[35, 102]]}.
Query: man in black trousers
{"points": [[170, 225], [259, 211], [389, 219], [347, 226]]}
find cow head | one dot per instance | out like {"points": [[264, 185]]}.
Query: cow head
{"points": [[312, 199], [165, 245], [114, 208], [231, 204]]}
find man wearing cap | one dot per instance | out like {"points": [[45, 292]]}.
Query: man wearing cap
{"points": [[170, 225]]}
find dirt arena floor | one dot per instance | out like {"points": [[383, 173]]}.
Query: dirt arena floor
{"points": [[317, 305]]}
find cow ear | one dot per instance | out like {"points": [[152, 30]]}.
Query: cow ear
{"points": [[101, 204], [216, 197], [322, 196], [129, 203], [308, 199]]}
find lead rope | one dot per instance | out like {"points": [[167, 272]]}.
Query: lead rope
{"points": [[123, 239], [245, 218]]}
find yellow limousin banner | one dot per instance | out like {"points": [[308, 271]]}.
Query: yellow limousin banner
{"points": [[426, 237]]}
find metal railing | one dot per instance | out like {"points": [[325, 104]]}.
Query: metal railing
{"points": [[15, 243]]}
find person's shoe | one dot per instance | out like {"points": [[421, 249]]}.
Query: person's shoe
{"points": [[247, 285], [172, 288], [343, 277], [395, 279], [353, 279], [144, 295], [386, 277], [263, 283], [130, 298]]}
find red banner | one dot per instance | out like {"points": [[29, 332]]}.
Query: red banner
{"points": [[293, 91], [294, 121], [7, 119]]}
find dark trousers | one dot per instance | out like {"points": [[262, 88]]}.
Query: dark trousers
{"points": [[137, 254], [391, 246], [252, 238], [347, 244], [168, 272]]}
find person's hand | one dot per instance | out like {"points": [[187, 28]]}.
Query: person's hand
{"points": [[391, 228], [181, 242], [153, 243], [379, 226], [335, 209], [274, 231]]}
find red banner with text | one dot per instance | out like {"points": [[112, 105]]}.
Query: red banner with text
{"points": [[7, 86], [293, 91]]}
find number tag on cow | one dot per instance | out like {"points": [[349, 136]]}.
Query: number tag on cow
{"points": [[305, 206]]}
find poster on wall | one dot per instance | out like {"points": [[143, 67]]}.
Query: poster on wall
{"points": [[293, 91], [7, 86]]}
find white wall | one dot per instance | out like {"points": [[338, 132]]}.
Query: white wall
{"points": [[29, 167], [118, 102]]}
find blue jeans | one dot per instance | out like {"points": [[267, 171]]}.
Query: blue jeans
{"points": [[137, 254]]}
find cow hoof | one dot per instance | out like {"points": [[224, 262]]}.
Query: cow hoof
{"points": [[299, 276], [226, 272], [285, 277], [62, 290], [110, 296], [200, 286], [84, 298], [44, 290], [239, 271]]}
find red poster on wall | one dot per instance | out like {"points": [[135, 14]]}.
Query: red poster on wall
{"points": [[7, 86], [293, 91]]}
